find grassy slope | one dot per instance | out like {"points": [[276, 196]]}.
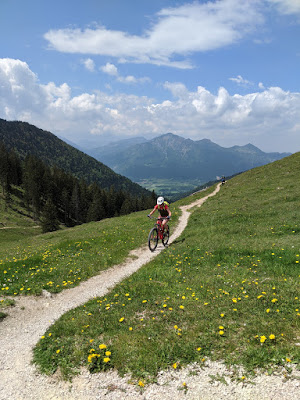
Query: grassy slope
{"points": [[15, 221], [228, 289]]}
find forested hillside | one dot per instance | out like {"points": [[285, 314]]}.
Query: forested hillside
{"points": [[52, 196], [27, 139]]}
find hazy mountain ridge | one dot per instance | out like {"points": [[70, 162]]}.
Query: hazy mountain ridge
{"points": [[26, 139], [172, 156]]}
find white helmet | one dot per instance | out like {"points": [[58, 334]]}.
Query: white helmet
{"points": [[160, 200]]}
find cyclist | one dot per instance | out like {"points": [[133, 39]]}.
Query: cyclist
{"points": [[164, 211]]}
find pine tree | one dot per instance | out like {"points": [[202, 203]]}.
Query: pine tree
{"points": [[34, 170], [4, 169], [75, 203], [126, 207], [49, 221]]}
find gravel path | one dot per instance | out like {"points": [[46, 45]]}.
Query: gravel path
{"points": [[31, 317]]}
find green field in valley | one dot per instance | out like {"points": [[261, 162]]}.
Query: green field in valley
{"points": [[169, 187]]}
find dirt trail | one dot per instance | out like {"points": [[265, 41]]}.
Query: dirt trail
{"points": [[32, 316]]}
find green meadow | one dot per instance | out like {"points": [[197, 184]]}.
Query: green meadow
{"points": [[226, 290]]}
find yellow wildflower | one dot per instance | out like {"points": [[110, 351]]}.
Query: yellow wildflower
{"points": [[263, 339]]}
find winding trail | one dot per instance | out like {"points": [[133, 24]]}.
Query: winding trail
{"points": [[32, 316]]}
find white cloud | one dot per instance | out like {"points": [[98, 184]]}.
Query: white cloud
{"points": [[20, 93], [178, 89], [89, 64], [287, 7], [176, 33], [241, 81], [261, 86], [112, 70], [269, 119]]}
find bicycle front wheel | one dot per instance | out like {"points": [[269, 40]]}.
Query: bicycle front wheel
{"points": [[166, 236], [153, 239]]}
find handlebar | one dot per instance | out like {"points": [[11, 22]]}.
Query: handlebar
{"points": [[159, 218]]}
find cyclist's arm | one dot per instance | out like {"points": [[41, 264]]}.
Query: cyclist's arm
{"points": [[169, 212], [153, 211]]}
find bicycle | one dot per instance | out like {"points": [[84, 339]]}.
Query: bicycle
{"points": [[157, 233]]}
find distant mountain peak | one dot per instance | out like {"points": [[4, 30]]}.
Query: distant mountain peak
{"points": [[205, 140], [168, 135]]}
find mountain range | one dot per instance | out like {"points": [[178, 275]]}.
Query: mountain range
{"points": [[173, 157], [128, 164]]}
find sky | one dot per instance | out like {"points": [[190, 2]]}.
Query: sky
{"points": [[94, 71]]}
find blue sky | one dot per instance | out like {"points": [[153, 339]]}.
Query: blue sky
{"points": [[95, 71]]}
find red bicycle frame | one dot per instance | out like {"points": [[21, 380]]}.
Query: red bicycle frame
{"points": [[160, 229]]}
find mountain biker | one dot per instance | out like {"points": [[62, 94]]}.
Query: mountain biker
{"points": [[164, 211]]}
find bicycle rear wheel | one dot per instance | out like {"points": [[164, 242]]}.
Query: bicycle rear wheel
{"points": [[166, 236], [153, 239]]}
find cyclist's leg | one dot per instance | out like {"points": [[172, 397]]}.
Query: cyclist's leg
{"points": [[164, 224]]}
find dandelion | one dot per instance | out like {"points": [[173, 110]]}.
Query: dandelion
{"points": [[141, 384], [263, 339], [181, 307], [108, 353], [130, 328], [91, 356], [102, 346], [274, 300], [106, 359], [272, 337], [288, 360], [221, 332], [222, 315], [174, 365], [57, 351], [121, 319]]}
